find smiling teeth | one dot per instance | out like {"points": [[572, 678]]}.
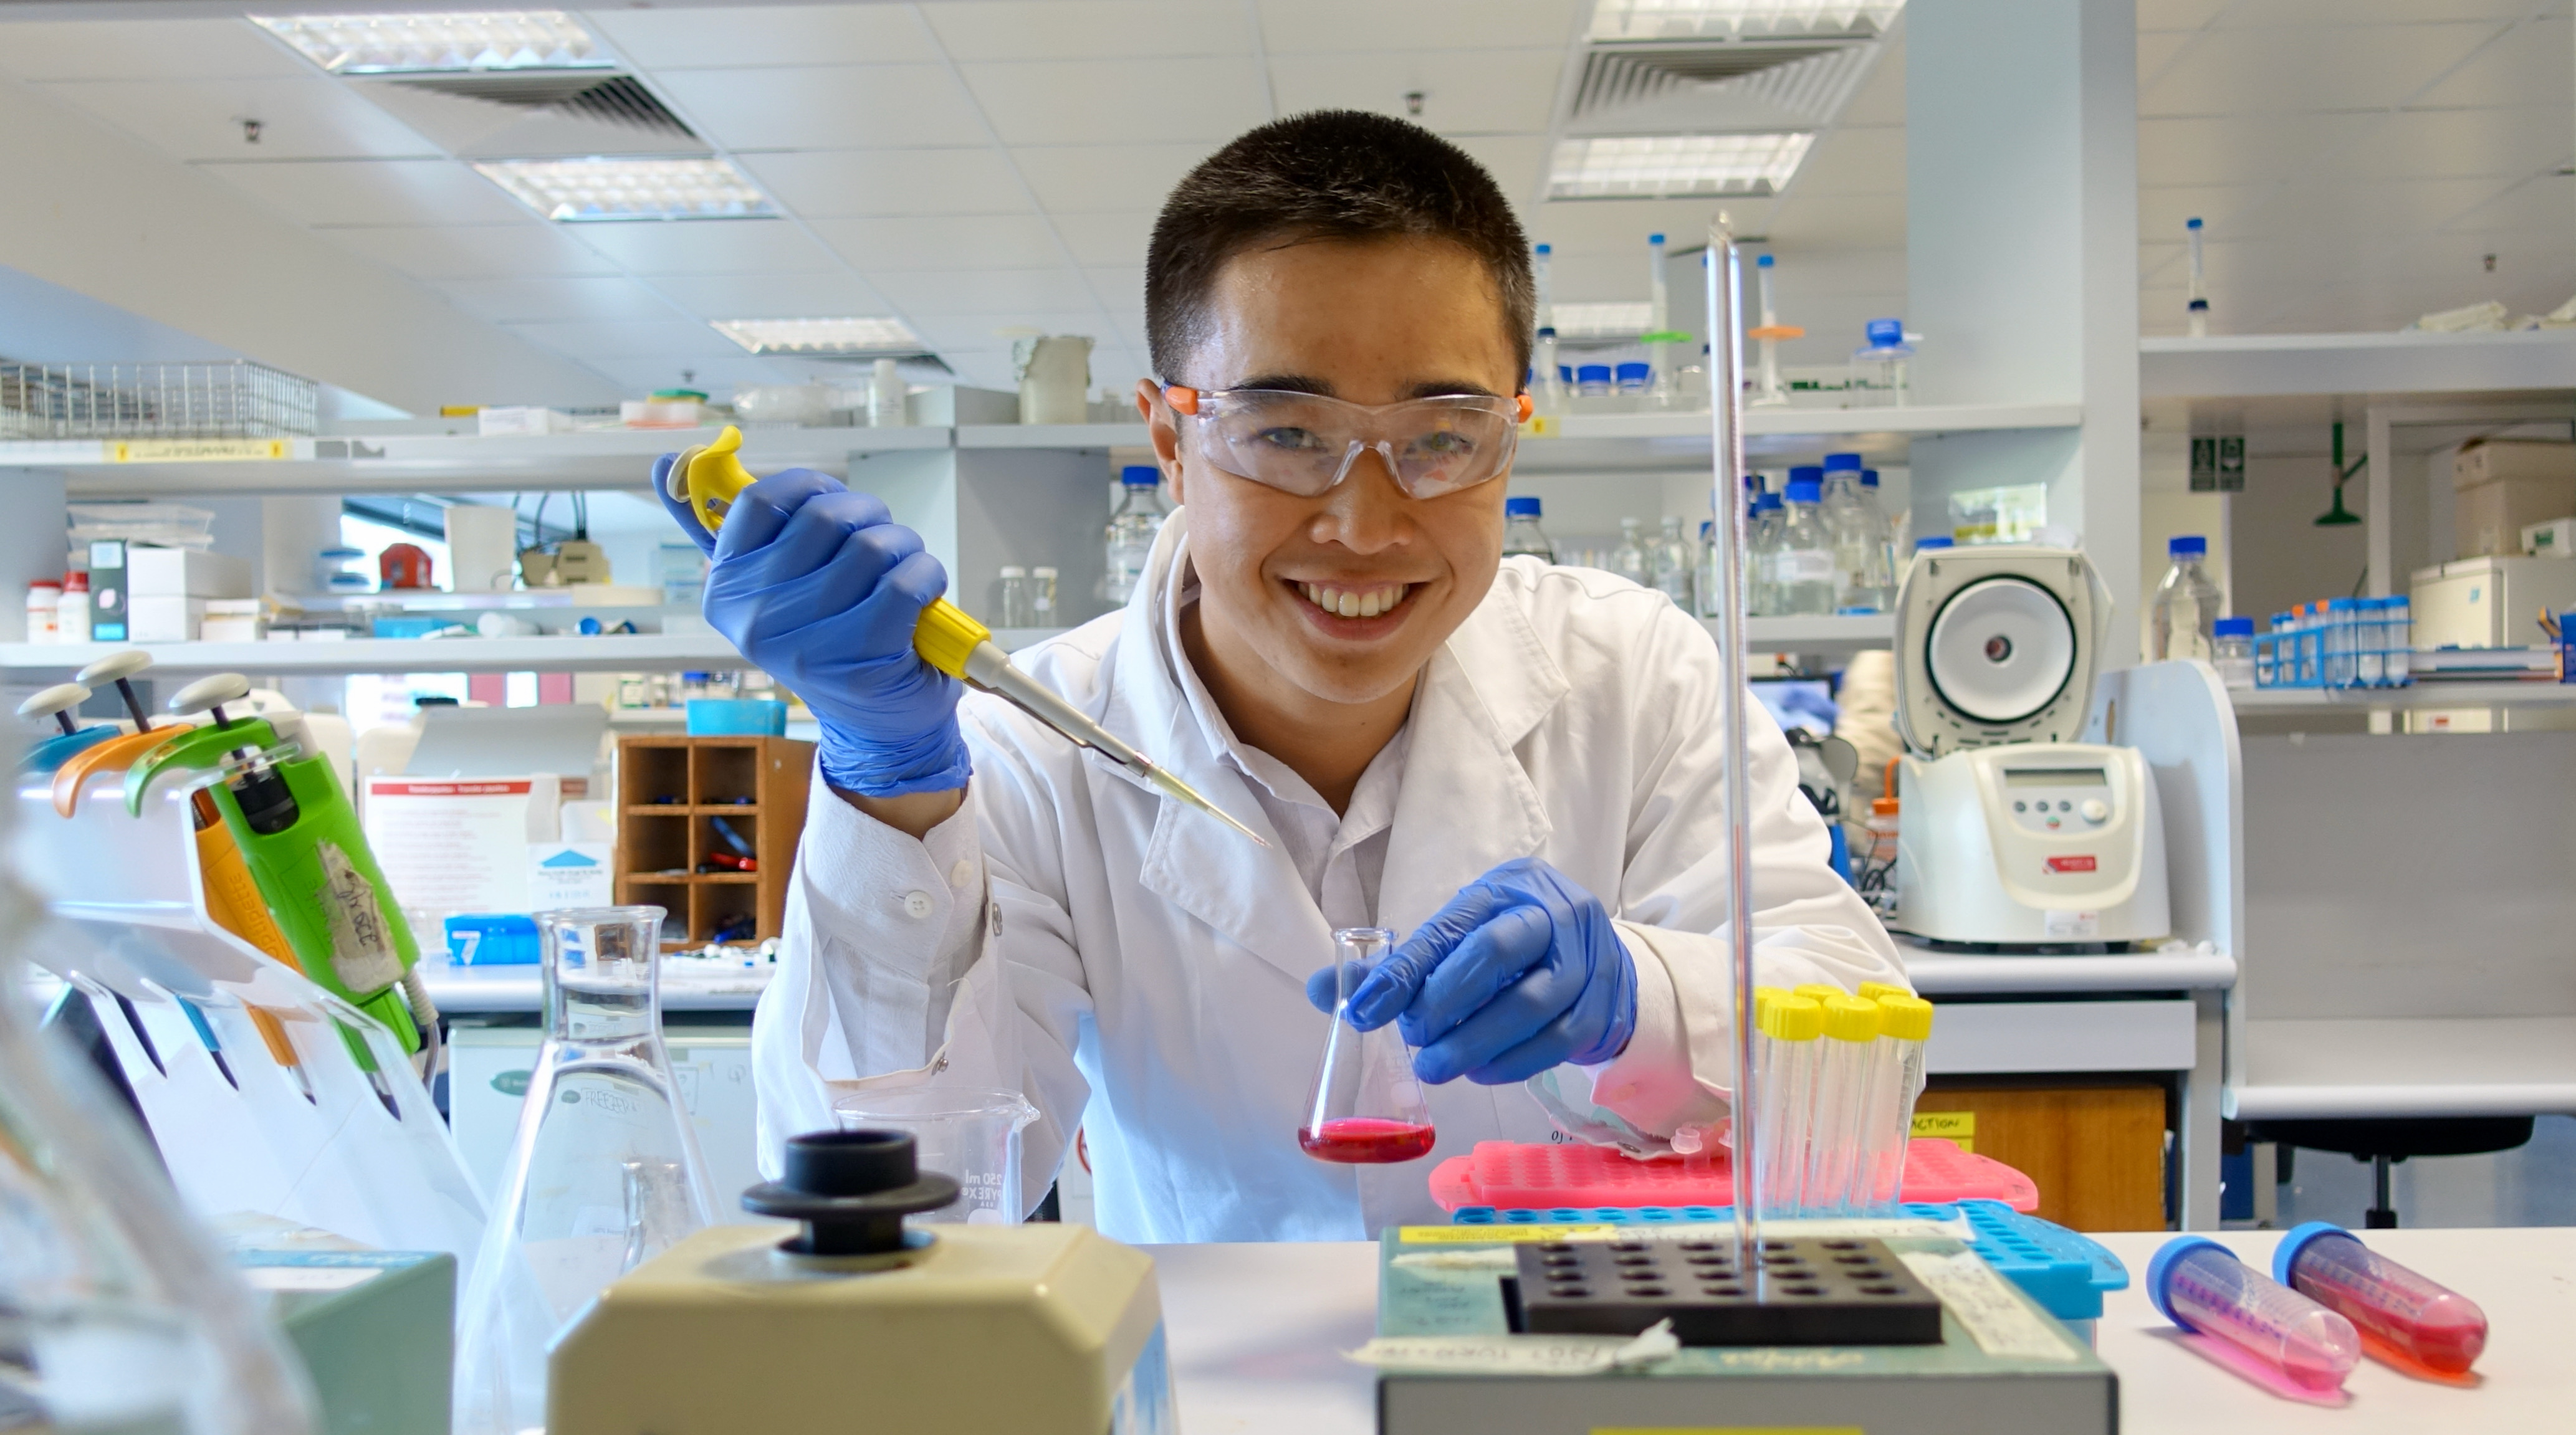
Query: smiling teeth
{"points": [[1354, 602]]}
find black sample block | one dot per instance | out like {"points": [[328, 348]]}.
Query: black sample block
{"points": [[1810, 1290]]}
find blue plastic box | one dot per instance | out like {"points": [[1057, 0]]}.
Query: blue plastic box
{"points": [[737, 717], [492, 940]]}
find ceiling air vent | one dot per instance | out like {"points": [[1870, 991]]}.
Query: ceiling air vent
{"points": [[1702, 87], [613, 99]]}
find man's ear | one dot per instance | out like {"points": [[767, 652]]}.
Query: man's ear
{"points": [[1163, 431]]}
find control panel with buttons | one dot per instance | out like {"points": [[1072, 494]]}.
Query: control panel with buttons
{"points": [[2060, 800]]}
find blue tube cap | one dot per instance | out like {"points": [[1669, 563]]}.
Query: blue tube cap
{"points": [[2160, 1271], [1807, 473], [1141, 475], [1835, 461], [2189, 545], [1936, 541], [1593, 373], [1520, 508], [1869, 478], [2286, 1254], [1805, 490], [2233, 628]]}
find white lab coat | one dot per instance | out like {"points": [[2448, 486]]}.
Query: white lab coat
{"points": [[1138, 970]]}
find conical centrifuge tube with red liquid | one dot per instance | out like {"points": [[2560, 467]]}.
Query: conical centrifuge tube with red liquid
{"points": [[2421, 1320], [2202, 1287], [1367, 1107]]}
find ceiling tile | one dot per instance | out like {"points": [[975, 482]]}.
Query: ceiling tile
{"points": [[1853, 160], [2411, 144], [556, 297], [1371, 26], [145, 50], [306, 118], [2547, 202], [645, 373], [2308, 69], [1465, 91], [984, 291], [1121, 289], [2214, 150], [1037, 102], [1518, 163], [1115, 239], [987, 241], [1090, 29], [1880, 100], [2178, 14], [2313, 208], [1838, 221], [696, 39], [375, 191], [825, 107], [1620, 226], [625, 339], [2162, 209], [2251, 14], [970, 332], [1070, 178], [735, 246], [820, 184], [773, 296], [982, 368], [2156, 52], [527, 249], [2528, 66]]}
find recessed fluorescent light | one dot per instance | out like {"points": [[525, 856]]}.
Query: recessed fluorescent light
{"points": [[1739, 19], [440, 44], [582, 191], [891, 337], [1673, 166]]}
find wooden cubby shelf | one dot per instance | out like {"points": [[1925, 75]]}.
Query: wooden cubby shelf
{"points": [[672, 793]]}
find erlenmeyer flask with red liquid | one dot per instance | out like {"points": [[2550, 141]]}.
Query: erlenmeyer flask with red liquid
{"points": [[1367, 1108]]}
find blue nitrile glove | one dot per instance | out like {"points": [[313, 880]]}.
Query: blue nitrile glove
{"points": [[1520, 972], [822, 588]]}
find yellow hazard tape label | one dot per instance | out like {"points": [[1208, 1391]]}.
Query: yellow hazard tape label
{"points": [[1959, 1126], [196, 450]]}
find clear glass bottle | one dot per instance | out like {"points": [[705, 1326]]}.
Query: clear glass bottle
{"points": [[2397, 642], [2370, 643], [1593, 391], [2186, 605], [1366, 1106], [1676, 566], [1629, 560], [1805, 562], [1861, 579], [1130, 537], [1710, 584], [2232, 652], [1762, 557], [604, 1172], [1521, 533], [1547, 384], [1878, 376], [1015, 609], [1043, 612], [1636, 385]]}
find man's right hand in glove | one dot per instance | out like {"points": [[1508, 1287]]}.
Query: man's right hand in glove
{"points": [[822, 589]]}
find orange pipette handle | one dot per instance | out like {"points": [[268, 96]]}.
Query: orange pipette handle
{"points": [[115, 755]]}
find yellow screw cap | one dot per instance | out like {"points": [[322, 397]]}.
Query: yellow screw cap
{"points": [[1905, 1018], [946, 636], [1851, 1019], [1793, 1018], [1872, 991], [1820, 992]]}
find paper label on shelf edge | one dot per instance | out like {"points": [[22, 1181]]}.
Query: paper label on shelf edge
{"points": [[196, 450], [1959, 1127], [1991, 1310], [1518, 1354]]}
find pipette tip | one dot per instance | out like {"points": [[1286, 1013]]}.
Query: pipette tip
{"points": [[1186, 793]]}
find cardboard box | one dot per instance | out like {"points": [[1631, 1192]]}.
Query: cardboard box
{"points": [[185, 573], [163, 618], [2553, 539], [2506, 460], [2489, 518], [232, 620]]}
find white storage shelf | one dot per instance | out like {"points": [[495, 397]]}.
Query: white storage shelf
{"points": [[607, 653], [2407, 1066], [2259, 365], [2419, 696], [1841, 633], [623, 458]]}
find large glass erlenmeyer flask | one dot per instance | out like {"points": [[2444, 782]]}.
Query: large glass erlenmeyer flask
{"points": [[1367, 1107], [116, 1312], [603, 1174]]}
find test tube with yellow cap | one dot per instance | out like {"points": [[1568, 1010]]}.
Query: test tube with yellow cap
{"points": [[1895, 1080], [1842, 1076], [1792, 1031]]}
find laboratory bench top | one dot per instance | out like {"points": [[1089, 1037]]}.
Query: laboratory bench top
{"points": [[475, 991], [1257, 1333]]}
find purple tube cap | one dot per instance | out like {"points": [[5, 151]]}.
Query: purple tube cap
{"points": [[2286, 1254], [2160, 1271]]}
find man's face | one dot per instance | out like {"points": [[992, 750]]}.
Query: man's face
{"points": [[1373, 323]]}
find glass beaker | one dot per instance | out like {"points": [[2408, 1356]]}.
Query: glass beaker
{"points": [[1368, 1107], [604, 1172], [971, 1133]]}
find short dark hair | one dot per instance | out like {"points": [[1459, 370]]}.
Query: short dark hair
{"points": [[1328, 174]]}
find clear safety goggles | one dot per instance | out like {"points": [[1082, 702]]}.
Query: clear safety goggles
{"points": [[1306, 443]]}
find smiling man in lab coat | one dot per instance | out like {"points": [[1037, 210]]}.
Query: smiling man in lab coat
{"points": [[1516, 766]]}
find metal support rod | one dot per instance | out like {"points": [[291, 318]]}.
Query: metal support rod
{"points": [[1726, 492]]}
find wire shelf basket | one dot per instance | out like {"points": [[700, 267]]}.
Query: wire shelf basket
{"points": [[230, 399]]}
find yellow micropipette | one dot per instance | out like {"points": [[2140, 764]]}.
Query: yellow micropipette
{"points": [[709, 478]]}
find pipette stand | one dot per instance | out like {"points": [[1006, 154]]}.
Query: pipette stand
{"points": [[1811, 1290], [315, 1143]]}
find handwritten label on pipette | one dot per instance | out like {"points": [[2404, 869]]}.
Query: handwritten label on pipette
{"points": [[1991, 1310], [1518, 1354]]}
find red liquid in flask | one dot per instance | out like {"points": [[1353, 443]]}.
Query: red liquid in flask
{"points": [[1366, 1141]]}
